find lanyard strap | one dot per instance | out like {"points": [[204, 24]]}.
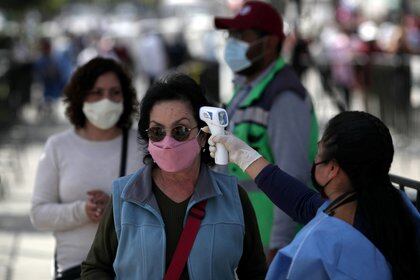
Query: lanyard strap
{"points": [[186, 241], [340, 201], [257, 90]]}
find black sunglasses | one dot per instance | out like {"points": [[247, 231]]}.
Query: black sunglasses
{"points": [[179, 133]]}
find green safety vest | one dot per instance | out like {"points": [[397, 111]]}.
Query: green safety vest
{"points": [[252, 129]]}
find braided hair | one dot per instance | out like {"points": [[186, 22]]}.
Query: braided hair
{"points": [[362, 146]]}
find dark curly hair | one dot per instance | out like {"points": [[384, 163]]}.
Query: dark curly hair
{"points": [[362, 146], [83, 80], [174, 86]]}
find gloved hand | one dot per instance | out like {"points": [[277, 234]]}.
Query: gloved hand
{"points": [[239, 152]]}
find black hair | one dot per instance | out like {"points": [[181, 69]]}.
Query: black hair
{"points": [[172, 87], [84, 79], [362, 146]]}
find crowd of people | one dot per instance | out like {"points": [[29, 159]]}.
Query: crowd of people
{"points": [[354, 48], [49, 62], [151, 204]]}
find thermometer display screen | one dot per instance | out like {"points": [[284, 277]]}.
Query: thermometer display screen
{"points": [[223, 119]]}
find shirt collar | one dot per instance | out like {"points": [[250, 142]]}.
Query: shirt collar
{"points": [[139, 188], [240, 80]]}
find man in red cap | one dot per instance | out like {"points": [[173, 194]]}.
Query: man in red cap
{"points": [[270, 109]]}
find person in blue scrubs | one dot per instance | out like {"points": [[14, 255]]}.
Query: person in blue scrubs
{"points": [[357, 226]]}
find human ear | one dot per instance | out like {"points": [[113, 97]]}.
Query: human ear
{"points": [[202, 138], [334, 169], [272, 42]]}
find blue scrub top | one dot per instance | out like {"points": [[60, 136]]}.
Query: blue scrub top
{"points": [[329, 248], [326, 247]]}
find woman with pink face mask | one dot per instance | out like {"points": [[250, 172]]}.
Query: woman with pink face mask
{"points": [[142, 235], [76, 170]]}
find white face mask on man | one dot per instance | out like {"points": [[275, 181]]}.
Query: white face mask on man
{"points": [[103, 114], [235, 54]]}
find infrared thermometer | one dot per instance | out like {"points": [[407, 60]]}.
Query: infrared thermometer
{"points": [[217, 120]]}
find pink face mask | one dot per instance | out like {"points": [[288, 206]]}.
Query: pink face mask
{"points": [[173, 156]]}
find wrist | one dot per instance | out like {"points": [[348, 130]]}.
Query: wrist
{"points": [[82, 211], [245, 157], [255, 167]]}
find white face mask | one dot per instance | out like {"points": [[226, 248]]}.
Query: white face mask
{"points": [[235, 54], [103, 114]]}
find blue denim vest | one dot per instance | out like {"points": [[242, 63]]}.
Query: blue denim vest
{"points": [[141, 231]]}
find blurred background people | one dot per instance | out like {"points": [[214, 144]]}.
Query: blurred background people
{"points": [[52, 72], [342, 69], [152, 55], [19, 77], [146, 220], [74, 176], [270, 109], [102, 46]]}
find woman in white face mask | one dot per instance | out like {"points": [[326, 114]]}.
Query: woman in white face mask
{"points": [[176, 218], [78, 166]]}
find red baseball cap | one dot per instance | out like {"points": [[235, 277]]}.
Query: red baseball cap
{"points": [[254, 15]]}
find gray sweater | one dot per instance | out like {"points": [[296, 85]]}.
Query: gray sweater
{"points": [[68, 168]]}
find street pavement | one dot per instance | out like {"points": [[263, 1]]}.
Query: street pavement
{"points": [[25, 253]]}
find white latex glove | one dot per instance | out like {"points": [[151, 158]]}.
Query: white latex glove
{"points": [[239, 152]]}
